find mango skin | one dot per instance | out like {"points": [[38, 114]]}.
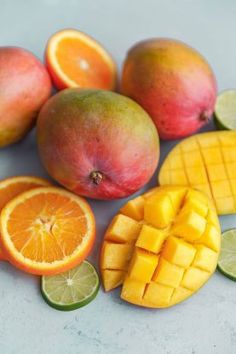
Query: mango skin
{"points": [[25, 85], [173, 83], [84, 131]]}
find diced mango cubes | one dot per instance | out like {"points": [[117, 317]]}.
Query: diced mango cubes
{"points": [[134, 208], [123, 229], [168, 274], [161, 247], [178, 252], [205, 258], [142, 265], [210, 238], [116, 255], [150, 239], [159, 211], [180, 294], [209, 166], [189, 225], [112, 278], [133, 290], [194, 278], [157, 295]]}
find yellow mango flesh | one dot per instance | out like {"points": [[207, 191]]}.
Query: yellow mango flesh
{"points": [[163, 258], [206, 162]]}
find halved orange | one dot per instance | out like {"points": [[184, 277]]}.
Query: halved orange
{"points": [[13, 186], [74, 59], [47, 230]]}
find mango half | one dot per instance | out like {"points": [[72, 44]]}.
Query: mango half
{"points": [[206, 162], [162, 246]]}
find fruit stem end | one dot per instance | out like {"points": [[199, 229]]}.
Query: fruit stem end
{"points": [[96, 177]]}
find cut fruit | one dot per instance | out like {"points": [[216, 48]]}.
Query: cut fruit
{"points": [[207, 162], [112, 278], [227, 258], [13, 186], [76, 60], [72, 289], [167, 255], [225, 110], [47, 230]]}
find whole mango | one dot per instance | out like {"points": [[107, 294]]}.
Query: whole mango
{"points": [[97, 143], [173, 83], [25, 85]]}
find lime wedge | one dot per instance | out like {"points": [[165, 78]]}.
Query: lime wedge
{"points": [[227, 258], [72, 289], [225, 110]]}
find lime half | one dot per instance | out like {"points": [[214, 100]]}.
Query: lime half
{"points": [[227, 258], [225, 110], [72, 289]]}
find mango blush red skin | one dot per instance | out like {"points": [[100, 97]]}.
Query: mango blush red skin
{"points": [[97, 143], [173, 83], [25, 85]]}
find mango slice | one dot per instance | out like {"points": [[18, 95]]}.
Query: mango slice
{"points": [[161, 247], [206, 162]]}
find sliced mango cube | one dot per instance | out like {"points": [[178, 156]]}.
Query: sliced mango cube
{"points": [[123, 229], [151, 239], [190, 226], [142, 265], [112, 278], [178, 252], [205, 188], [116, 255], [159, 211], [133, 290], [225, 205], [168, 254], [212, 219], [180, 294], [159, 295], [210, 167], [194, 194], [134, 208], [168, 274], [205, 258], [196, 205], [177, 197], [194, 278], [210, 238]]}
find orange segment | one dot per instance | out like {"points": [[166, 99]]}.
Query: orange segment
{"points": [[13, 186], [76, 60], [47, 230]]}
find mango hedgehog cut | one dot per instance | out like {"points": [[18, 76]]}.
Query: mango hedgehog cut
{"points": [[161, 247]]}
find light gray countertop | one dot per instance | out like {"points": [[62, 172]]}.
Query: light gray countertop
{"points": [[206, 323]]}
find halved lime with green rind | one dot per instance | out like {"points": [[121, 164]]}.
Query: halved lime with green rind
{"points": [[225, 110], [227, 258], [72, 289]]}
